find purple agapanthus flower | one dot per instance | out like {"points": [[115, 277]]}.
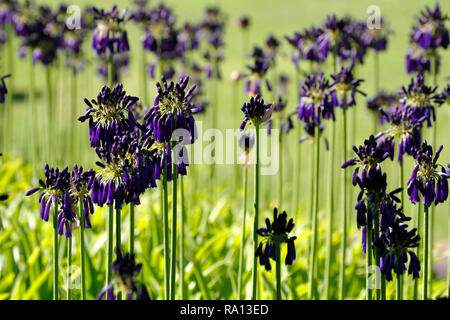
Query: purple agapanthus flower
{"points": [[110, 110], [417, 60], [444, 96], [421, 98], [53, 189], [376, 38], [255, 112], [404, 129], [428, 177], [243, 22], [125, 270], [307, 46], [430, 31], [80, 190], [109, 35], [276, 233], [345, 83], [395, 245], [317, 99]]}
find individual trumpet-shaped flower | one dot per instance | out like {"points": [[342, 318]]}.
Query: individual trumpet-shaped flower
{"points": [[111, 109], [246, 142], [345, 83], [404, 129], [126, 270], [52, 189], [109, 35], [317, 99], [66, 216], [255, 112], [395, 245], [428, 177], [421, 98], [80, 187], [274, 234]]}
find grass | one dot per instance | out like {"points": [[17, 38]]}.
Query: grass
{"points": [[213, 227]]}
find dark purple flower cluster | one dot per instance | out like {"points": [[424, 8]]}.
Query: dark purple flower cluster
{"points": [[317, 99], [243, 22], [258, 68], [40, 30], [65, 190], [140, 13], [395, 245], [246, 142], [427, 36], [256, 112], [444, 96], [421, 98], [109, 36], [274, 234], [306, 46], [8, 9], [111, 111], [213, 27], [405, 128], [126, 270], [428, 177], [345, 83]]}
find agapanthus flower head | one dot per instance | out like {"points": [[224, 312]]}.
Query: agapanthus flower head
{"points": [[428, 177], [317, 99], [369, 155], [255, 112], [125, 270], [112, 108], [430, 31], [306, 46], [274, 234], [66, 216], [345, 83], [395, 245], [310, 129], [421, 98], [109, 35], [172, 110], [243, 22], [404, 129], [7, 10], [140, 13], [53, 189], [213, 21], [417, 60], [3, 88]]}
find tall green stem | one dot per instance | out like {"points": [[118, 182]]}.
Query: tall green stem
{"points": [[419, 227], [312, 261], [344, 202], [330, 210], [110, 244], [69, 264], [376, 72], [182, 230], [399, 279], [278, 269], [280, 168], [50, 111], [82, 251], [111, 71], [255, 221], [242, 247], [425, 252], [448, 257], [144, 76], [368, 257], [118, 242], [55, 253], [131, 228], [173, 259], [376, 226], [166, 236]]}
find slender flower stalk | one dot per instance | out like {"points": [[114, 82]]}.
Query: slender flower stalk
{"points": [[316, 166], [368, 257], [69, 266], [55, 253], [256, 216], [173, 258], [242, 247], [166, 235], [82, 251], [426, 229], [344, 205], [131, 228], [182, 232], [109, 254]]}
